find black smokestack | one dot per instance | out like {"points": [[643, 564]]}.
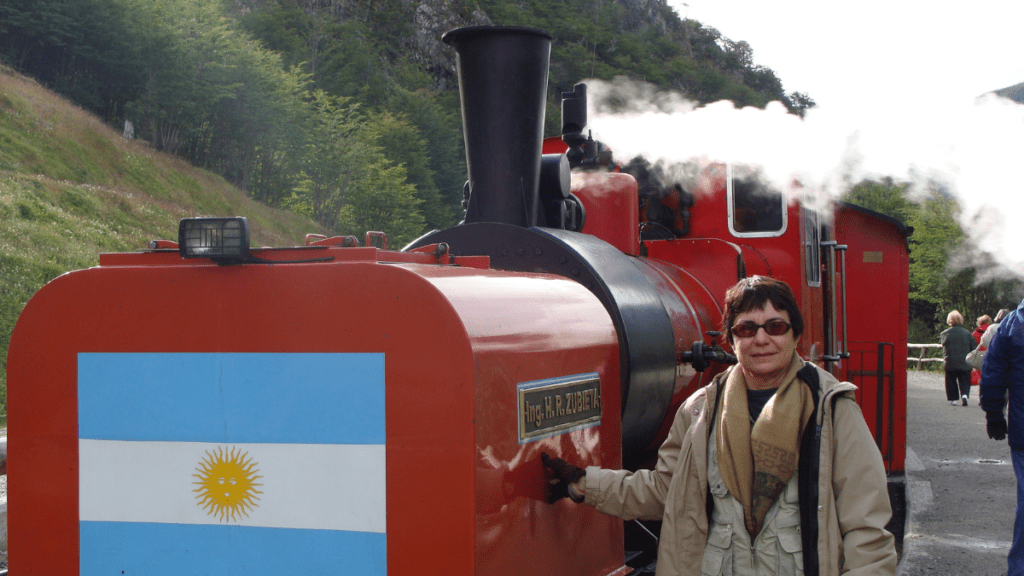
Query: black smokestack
{"points": [[503, 81]]}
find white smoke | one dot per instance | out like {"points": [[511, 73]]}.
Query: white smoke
{"points": [[970, 149]]}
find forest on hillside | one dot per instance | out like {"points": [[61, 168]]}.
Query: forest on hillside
{"points": [[347, 111], [316, 104]]}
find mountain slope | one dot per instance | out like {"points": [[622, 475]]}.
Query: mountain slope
{"points": [[71, 188], [1015, 92]]}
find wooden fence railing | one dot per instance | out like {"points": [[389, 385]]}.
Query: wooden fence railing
{"points": [[920, 358]]}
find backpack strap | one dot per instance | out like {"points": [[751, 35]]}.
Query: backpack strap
{"points": [[807, 481], [809, 469], [709, 502]]}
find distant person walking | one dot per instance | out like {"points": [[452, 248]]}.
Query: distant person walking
{"points": [[981, 325], [1002, 373], [986, 338], [957, 342], [976, 357]]}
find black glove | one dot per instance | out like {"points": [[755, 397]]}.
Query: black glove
{"points": [[565, 474], [996, 426]]}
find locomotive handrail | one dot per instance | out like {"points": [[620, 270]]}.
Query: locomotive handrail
{"points": [[833, 349], [839, 348], [846, 343]]}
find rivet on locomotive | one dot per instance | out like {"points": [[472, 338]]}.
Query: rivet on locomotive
{"points": [[203, 407]]}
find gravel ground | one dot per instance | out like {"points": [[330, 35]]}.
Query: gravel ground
{"points": [[961, 486]]}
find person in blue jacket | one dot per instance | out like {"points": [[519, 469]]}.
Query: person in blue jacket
{"points": [[1002, 384]]}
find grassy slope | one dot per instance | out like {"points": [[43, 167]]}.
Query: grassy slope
{"points": [[71, 188]]}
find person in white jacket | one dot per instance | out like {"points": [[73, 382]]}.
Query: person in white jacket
{"points": [[991, 330]]}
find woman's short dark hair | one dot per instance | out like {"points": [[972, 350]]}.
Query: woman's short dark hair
{"points": [[752, 294]]}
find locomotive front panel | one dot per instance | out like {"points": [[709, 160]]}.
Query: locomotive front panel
{"points": [[346, 417]]}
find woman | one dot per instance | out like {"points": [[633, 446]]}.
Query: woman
{"points": [[740, 485], [981, 324], [991, 330], [957, 342], [982, 348]]}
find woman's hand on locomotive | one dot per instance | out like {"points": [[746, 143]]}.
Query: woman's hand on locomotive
{"points": [[567, 480]]}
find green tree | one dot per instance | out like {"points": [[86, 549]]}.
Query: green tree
{"points": [[87, 50], [346, 182], [382, 200], [886, 196], [402, 145], [279, 136], [607, 39], [216, 97], [221, 82], [437, 120], [936, 233], [944, 265], [333, 157], [800, 103]]}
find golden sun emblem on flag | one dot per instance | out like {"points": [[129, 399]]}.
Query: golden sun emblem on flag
{"points": [[227, 484]]}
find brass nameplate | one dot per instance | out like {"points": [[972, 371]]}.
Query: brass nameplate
{"points": [[557, 405], [872, 257]]}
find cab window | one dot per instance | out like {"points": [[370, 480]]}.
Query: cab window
{"points": [[812, 256], [755, 208]]}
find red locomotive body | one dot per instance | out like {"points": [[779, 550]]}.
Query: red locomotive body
{"points": [[567, 314], [461, 491]]}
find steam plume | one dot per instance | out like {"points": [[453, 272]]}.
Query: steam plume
{"points": [[970, 149]]}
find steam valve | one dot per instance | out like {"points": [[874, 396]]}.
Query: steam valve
{"points": [[701, 355]]}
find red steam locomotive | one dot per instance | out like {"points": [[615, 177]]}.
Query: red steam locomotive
{"points": [[207, 408]]}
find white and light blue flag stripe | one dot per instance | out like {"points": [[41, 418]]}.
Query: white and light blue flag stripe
{"points": [[254, 463]]}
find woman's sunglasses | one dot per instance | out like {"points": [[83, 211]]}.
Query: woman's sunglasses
{"points": [[771, 327]]}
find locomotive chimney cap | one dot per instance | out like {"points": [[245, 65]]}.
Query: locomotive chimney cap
{"points": [[459, 34]]}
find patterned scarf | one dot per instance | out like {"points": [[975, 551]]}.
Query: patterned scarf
{"points": [[757, 462]]}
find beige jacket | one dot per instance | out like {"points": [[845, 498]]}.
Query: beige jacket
{"points": [[853, 499]]}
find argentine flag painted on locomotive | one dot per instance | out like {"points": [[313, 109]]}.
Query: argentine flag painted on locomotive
{"points": [[224, 463]]}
